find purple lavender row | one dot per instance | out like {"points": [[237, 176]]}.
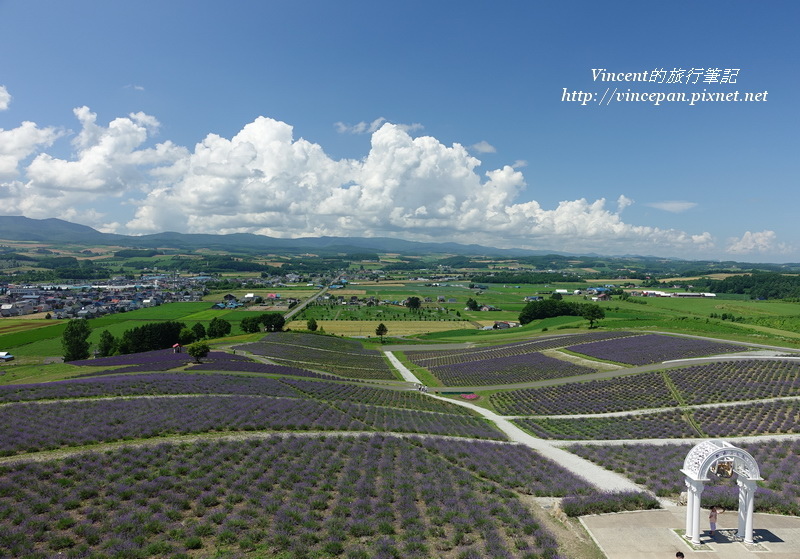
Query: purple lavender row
{"points": [[652, 348], [408, 421], [657, 467], [779, 417], [361, 496], [253, 367], [155, 366], [148, 384], [725, 381], [43, 426], [514, 466], [746, 379], [355, 364], [665, 425], [158, 356], [54, 425], [434, 358], [182, 383], [409, 399], [642, 391], [507, 370]]}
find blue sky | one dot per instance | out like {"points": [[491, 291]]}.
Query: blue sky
{"points": [[421, 120]]}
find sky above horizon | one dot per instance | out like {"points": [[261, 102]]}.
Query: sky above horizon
{"points": [[431, 121]]}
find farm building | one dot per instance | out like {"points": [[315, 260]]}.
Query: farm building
{"points": [[6, 356]]}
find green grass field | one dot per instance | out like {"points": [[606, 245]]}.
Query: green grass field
{"points": [[769, 322]]}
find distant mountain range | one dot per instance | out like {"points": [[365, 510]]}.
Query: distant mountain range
{"points": [[18, 228]]}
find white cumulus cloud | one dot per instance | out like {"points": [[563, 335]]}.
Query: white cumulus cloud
{"points": [[5, 98], [674, 206], [263, 180], [19, 143], [364, 127], [483, 147], [756, 242], [108, 159]]}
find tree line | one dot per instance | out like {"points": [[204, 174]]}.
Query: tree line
{"points": [[548, 308], [157, 335]]}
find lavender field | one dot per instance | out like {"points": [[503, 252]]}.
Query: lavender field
{"points": [[346, 358], [741, 379], [664, 425], [652, 348], [160, 360], [513, 369], [510, 465], [368, 496], [778, 417], [657, 467], [641, 391], [442, 358], [147, 385], [725, 381], [354, 393], [34, 426]]}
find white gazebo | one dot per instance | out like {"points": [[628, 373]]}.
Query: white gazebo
{"points": [[723, 459]]}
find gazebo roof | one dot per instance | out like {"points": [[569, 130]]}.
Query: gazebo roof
{"points": [[706, 454]]}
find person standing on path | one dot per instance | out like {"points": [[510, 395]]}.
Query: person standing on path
{"points": [[712, 518]]}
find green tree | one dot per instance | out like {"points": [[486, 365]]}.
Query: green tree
{"points": [[381, 330], [75, 340], [199, 331], [107, 345], [198, 350], [592, 313], [186, 336], [250, 324], [311, 324], [413, 303], [272, 321], [472, 304], [218, 328]]}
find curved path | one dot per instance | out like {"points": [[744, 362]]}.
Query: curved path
{"points": [[605, 480]]}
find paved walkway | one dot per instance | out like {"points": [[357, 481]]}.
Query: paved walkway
{"points": [[651, 535]]}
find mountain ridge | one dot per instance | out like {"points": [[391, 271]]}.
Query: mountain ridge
{"points": [[20, 228]]}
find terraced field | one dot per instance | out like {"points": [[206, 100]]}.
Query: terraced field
{"points": [[304, 445], [346, 358]]}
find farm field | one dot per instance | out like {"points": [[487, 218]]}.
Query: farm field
{"points": [[152, 455]]}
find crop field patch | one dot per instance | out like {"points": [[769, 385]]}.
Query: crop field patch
{"points": [[664, 425], [12, 326], [527, 367], [62, 424], [642, 391], [652, 348], [207, 315], [152, 384], [373, 496], [347, 358]]}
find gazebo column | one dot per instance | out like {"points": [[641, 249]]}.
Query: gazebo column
{"points": [[689, 507], [747, 493], [695, 490]]}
